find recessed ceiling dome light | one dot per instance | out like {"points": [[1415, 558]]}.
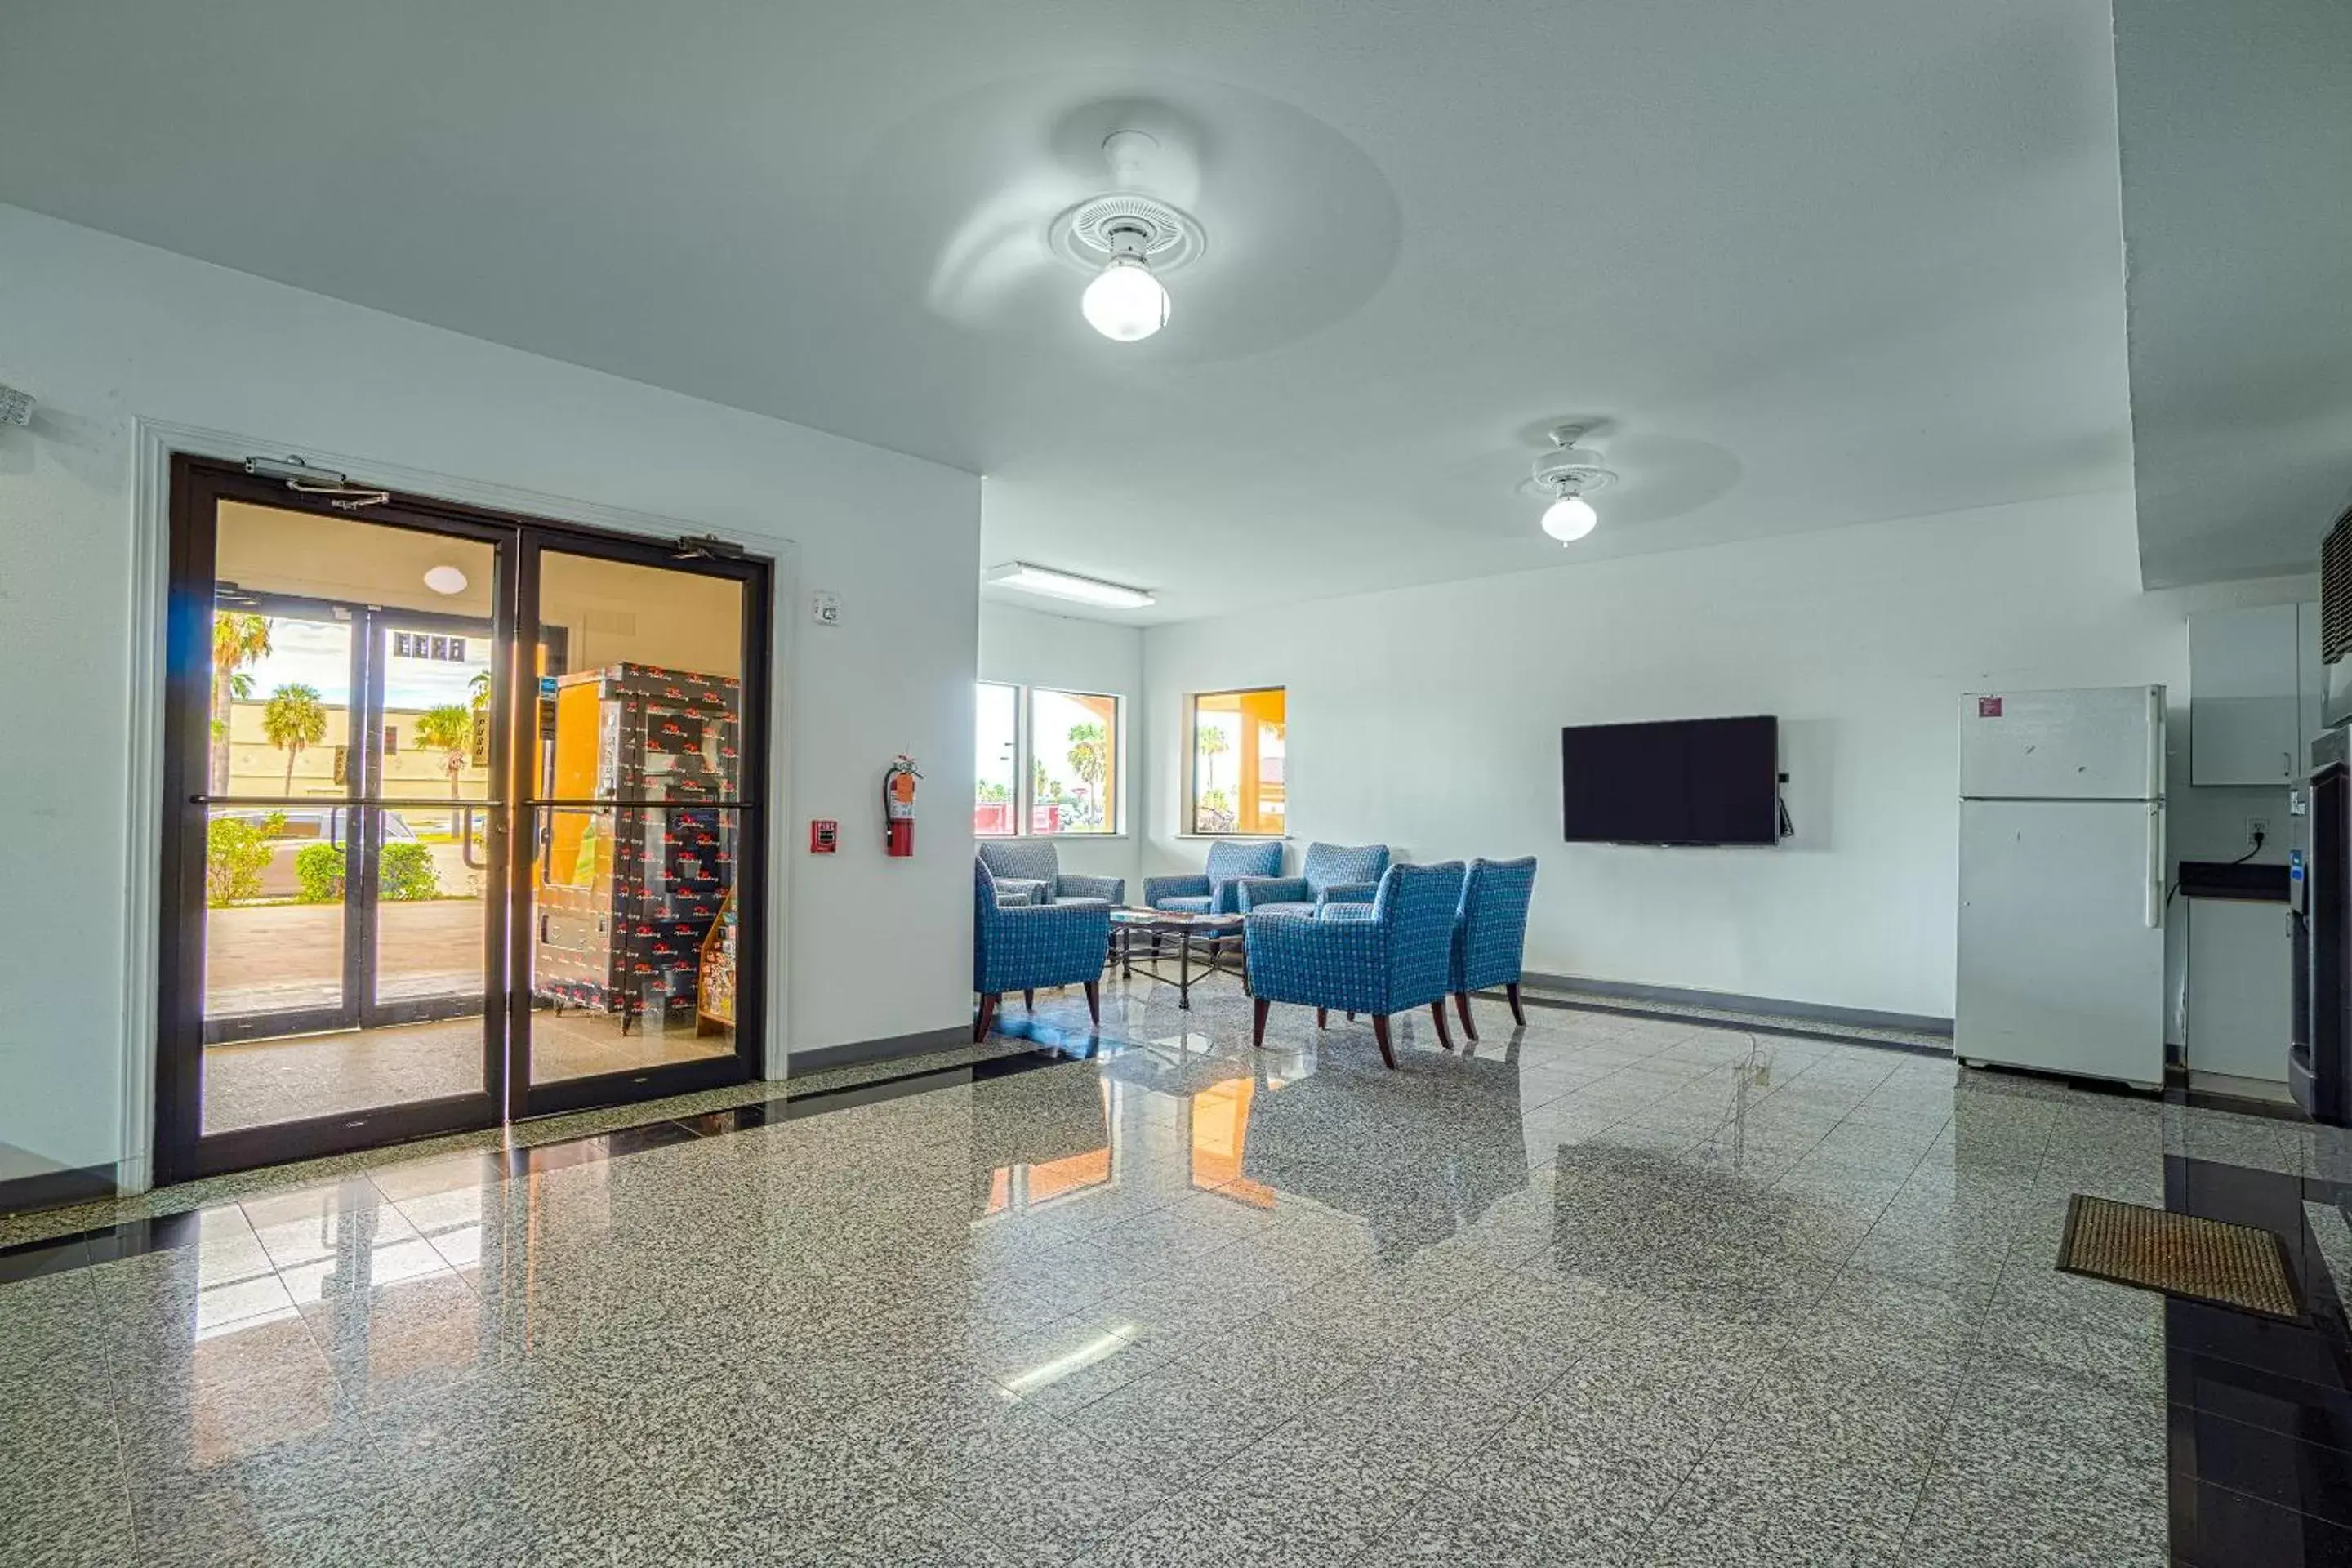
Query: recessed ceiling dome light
{"points": [[1568, 473], [444, 580], [1128, 240]]}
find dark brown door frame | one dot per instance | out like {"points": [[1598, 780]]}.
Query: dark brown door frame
{"points": [[182, 1151], [525, 1098]]}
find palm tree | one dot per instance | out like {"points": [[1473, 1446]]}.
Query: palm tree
{"points": [[238, 639], [294, 718], [1090, 759], [1209, 742], [449, 730]]}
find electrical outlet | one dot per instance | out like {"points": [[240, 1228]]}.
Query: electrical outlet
{"points": [[2258, 828]]}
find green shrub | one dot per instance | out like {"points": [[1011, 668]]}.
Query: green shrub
{"points": [[235, 853], [406, 872], [318, 870]]}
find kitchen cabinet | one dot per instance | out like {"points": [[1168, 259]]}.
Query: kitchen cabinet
{"points": [[2240, 989], [2254, 679]]}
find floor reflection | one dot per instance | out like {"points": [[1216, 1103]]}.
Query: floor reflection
{"points": [[1684, 1294]]}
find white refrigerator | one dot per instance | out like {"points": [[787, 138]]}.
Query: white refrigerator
{"points": [[2062, 882]]}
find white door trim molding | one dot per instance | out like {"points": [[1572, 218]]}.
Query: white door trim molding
{"points": [[158, 442]]}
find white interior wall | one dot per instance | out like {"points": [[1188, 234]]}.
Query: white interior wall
{"points": [[1031, 648], [1430, 719], [106, 333]]}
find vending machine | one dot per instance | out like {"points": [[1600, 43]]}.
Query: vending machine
{"points": [[636, 863]]}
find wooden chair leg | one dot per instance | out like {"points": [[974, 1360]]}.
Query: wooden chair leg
{"points": [[1351, 1018], [1469, 1025], [1094, 1001], [1519, 1014], [987, 1017], [1322, 1017], [1380, 1035], [1029, 1000], [1257, 1021], [1437, 1011]]}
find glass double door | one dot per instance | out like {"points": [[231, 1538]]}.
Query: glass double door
{"points": [[349, 830], [424, 870]]}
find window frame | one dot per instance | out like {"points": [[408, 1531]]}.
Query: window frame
{"points": [[1190, 825], [1116, 805], [1020, 715], [1025, 771]]}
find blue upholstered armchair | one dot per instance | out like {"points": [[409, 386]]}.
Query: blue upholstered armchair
{"points": [[1393, 957], [1029, 871], [1490, 933], [1217, 891], [1327, 874], [1019, 947]]}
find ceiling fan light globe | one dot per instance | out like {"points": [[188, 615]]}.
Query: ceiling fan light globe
{"points": [[1569, 519], [1125, 302]]}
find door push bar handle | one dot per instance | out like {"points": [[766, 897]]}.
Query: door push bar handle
{"points": [[330, 802]]}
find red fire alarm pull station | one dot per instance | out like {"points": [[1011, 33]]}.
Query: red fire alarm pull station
{"points": [[824, 836]]}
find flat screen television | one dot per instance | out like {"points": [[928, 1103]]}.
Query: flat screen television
{"points": [[1682, 781]]}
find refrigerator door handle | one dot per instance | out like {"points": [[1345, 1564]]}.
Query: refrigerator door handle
{"points": [[2155, 864]]}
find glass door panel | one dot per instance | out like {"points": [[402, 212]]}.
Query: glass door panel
{"points": [[634, 932], [433, 768], [345, 934], [636, 937], [280, 683]]}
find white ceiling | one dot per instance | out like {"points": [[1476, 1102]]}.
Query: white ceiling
{"points": [[2237, 188], [1817, 261]]}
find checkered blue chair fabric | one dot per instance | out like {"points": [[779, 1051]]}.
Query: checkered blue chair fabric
{"points": [[1393, 957], [1029, 871], [1216, 891], [1328, 874], [1490, 929], [1019, 947]]}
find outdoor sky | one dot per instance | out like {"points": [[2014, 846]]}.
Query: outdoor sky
{"points": [[318, 653]]}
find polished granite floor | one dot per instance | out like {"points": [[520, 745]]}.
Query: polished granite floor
{"points": [[1608, 1290]]}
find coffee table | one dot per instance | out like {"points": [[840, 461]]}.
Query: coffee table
{"points": [[1146, 940]]}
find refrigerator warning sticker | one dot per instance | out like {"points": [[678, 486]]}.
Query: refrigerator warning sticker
{"points": [[1988, 707]]}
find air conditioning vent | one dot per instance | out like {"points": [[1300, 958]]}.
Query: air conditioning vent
{"points": [[2336, 591]]}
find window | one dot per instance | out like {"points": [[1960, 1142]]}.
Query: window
{"points": [[1073, 762], [996, 742], [1236, 780], [1043, 761], [391, 740]]}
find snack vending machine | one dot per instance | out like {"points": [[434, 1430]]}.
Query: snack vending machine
{"points": [[635, 884]]}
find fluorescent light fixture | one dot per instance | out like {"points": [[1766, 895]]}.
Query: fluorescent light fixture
{"points": [[1062, 586]]}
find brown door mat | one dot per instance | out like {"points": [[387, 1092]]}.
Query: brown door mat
{"points": [[2180, 1255]]}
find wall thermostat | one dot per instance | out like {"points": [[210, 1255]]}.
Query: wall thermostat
{"points": [[827, 608]]}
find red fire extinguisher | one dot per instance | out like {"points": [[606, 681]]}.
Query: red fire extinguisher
{"points": [[898, 806]]}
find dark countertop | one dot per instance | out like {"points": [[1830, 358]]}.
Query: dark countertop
{"points": [[2249, 883]]}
